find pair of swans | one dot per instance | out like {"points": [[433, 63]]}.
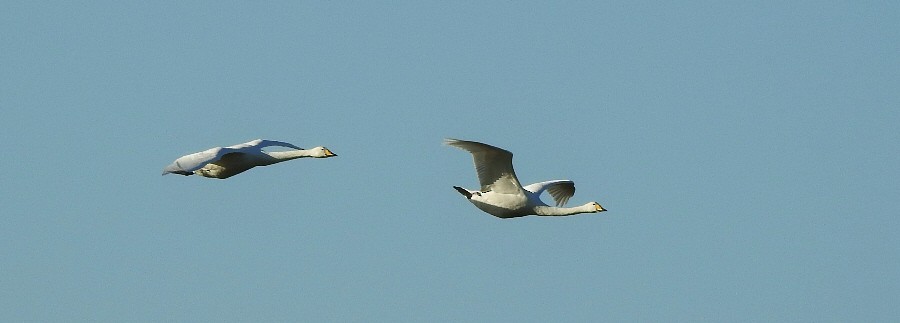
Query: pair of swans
{"points": [[501, 194]]}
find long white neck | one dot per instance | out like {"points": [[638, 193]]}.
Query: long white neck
{"points": [[563, 211], [290, 154]]}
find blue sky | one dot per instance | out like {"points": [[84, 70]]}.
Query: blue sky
{"points": [[747, 153]]}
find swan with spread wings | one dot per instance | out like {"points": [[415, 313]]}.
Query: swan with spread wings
{"points": [[224, 162], [502, 195]]}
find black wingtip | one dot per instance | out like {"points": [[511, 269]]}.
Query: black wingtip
{"points": [[463, 191]]}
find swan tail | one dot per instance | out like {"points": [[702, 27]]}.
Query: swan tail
{"points": [[463, 191]]}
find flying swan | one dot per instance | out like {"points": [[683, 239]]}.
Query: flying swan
{"points": [[224, 162], [502, 196]]}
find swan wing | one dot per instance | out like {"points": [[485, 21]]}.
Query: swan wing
{"points": [[259, 144], [560, 190], [187, 164], [493, 166]]}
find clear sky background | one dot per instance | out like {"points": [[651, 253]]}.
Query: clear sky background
{"points": [[747, 153]]}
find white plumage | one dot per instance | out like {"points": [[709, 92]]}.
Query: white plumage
{"points": [[224, 162], [502, 195]]}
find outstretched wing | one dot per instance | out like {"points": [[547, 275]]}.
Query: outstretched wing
{"points": [[493, 166], [186, 165], [560, 190], [263, 143]]}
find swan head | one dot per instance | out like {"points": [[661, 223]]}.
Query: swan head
{"points": [[322, 152], [597, 207]]}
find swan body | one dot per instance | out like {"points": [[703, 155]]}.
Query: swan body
{"points": [[502, 195], [224, 162]]}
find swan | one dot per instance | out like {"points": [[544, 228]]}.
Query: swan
{"points": [[502, 196], [224, 162]]}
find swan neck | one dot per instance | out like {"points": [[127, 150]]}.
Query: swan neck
{"points": [[290, 154], [563, 211]]}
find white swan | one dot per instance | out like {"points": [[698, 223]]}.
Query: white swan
{"points": [[502, 196], [224, 162]]}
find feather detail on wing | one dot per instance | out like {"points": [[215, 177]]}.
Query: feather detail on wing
{"points": [[560, 190], [493, 166], [187, 164], [262, 143]]}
